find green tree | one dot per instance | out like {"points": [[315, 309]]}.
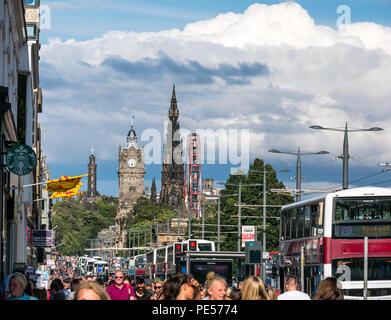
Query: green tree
{"points": [[144, 215], [76, 223], [250, 195]]}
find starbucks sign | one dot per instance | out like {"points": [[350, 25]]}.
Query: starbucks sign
{"points": [[21, 159]]}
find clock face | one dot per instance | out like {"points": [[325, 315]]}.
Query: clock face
{"points": [[132, 163]]}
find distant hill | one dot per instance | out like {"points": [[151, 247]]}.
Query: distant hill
{"points": [[78, 221]]}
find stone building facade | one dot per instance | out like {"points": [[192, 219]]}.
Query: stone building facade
{"points": [[131, 181]]}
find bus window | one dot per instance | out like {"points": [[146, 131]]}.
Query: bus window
{"points": [[283, 226], [307, 221], [204, 247], [320, 218], [300, 222], [314, 219], [293, 223], [288, 224], [362, 209]]}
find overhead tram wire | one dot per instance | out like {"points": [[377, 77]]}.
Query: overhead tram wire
{"points": [[356, 180], [359, 179]]}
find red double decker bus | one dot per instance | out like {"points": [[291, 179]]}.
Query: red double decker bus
{"points": [[324, 237]]}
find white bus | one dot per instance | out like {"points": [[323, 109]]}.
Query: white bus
{"points": [[161, 261], [328, 232]]}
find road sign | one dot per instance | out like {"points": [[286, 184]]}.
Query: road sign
{"points": [[248, 234], [21, 159]]}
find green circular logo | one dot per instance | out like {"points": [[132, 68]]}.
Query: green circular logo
{"points": [[21, 159]]}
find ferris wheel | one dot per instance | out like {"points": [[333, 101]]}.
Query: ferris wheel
{"points": [[193, 182]]}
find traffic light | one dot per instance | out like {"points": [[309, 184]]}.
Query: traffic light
{"points": [[192, 245], [253, 252], [274, 271], [177, 248], [177, 259]]}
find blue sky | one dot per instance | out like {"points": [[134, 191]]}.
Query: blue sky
{"points": [[125, 56]]}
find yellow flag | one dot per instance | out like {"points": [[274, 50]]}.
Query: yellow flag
{"points": [[64, 184], [64, 195], [67, 194]]}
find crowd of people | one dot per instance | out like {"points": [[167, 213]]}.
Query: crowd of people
{"points": [[65, 285]]}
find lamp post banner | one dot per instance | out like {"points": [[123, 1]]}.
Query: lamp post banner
{"points": [[21, 159]]}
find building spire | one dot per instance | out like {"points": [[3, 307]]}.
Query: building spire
{"points": [[173, 113], [132, 137]]}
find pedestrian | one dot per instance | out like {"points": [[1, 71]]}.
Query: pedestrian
{"points": [[158, 289], [118, 290], [91, 291], [149, 286], [235, 294], [100, 281], [41, 294], [272, 293], [67, 284], [75, 285], [181, 287], [254, 289], [209, 276], [57, 290], [217, 289], [109, 279], [330, 289], [17, 286], [30, 289], [291, 292], [141, 292]]}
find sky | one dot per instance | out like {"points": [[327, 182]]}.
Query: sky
{"points": [[259, 73]]}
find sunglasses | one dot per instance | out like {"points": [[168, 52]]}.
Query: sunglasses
{"points": [[119, 277], [158, 287]]}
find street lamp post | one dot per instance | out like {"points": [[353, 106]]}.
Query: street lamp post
{"points": [[264, 211], [345, 156], [298, 167]]}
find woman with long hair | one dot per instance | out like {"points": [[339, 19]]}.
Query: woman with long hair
{"points": [[254, 289], [328, 290], [181, 287]]}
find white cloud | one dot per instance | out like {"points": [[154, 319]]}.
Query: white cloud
{"points": [[271, 70]]}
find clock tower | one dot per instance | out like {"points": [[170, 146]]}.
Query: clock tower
{"points": [[131, 180]]}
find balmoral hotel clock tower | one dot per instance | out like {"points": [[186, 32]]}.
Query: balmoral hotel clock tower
{"points": [[131, 181]]}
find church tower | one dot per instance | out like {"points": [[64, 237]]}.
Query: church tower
{"points": [[91, 191], [131, 180], [153, 196], [172, 189]]}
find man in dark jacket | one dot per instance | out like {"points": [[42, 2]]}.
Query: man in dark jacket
{"points": [[57, 290], [141, 292]]}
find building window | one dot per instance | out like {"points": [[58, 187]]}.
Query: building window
{"points": [[30, 2], [31, 31]]}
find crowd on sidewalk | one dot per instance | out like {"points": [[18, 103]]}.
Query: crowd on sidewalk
{"points": [[65, 285]]}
